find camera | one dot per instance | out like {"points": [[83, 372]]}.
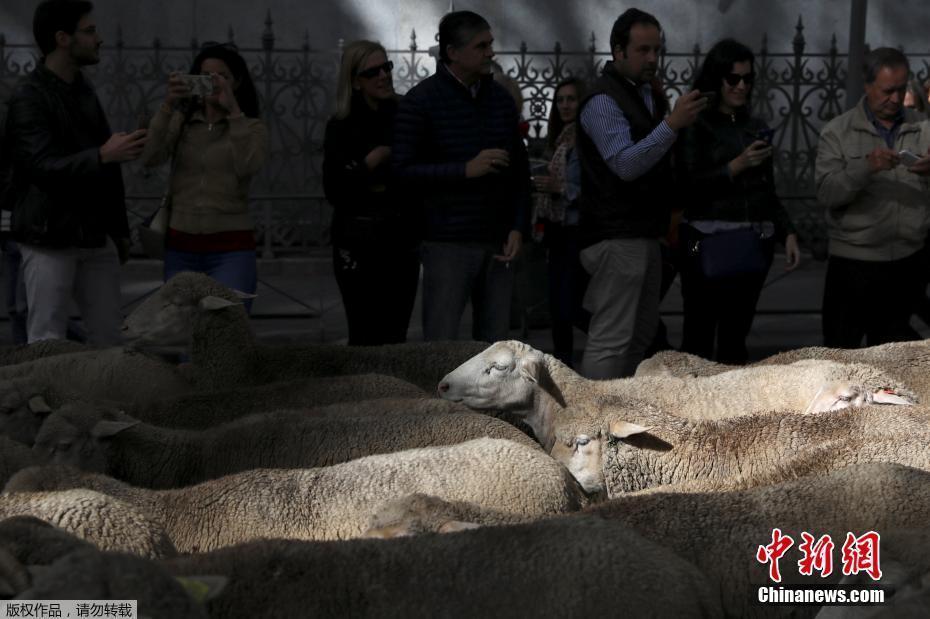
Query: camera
{"points": [[200, 85]]}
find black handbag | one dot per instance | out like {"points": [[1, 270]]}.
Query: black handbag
{"points": [[731, 253]]}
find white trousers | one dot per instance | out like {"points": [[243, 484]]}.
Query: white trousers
{"points": [[89, 276]]}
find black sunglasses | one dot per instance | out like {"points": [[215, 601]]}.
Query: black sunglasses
{"points": [[735, 78], [228, 45], [371, 72]]}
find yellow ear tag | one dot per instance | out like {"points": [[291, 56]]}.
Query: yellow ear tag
{"points": [[197, 589]]}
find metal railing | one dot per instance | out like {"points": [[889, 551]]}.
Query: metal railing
{"points": [[796, 92]]}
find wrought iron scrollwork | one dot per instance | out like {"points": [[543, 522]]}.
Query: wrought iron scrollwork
{"points": [[796, 92]]}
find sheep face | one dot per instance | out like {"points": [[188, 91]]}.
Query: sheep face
{"points": [[581, 449], [162, 320], [498, 378], [581, 455], [168, 316], [62, 441]]}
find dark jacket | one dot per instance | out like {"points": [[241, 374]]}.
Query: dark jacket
{"points": [[367, 209], [64, 196], [704, 151], [439, 128], [612, 208]]}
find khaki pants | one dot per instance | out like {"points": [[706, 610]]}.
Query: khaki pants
{"points": [[89, 276], [623, 298]]}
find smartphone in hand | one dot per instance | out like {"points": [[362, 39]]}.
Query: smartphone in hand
{"points": [[908, 158], [711, 97], [766, 135]]}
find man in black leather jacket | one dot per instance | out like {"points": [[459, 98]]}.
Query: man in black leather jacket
{"points": [[68, 205]]}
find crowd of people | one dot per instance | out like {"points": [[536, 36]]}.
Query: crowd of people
{"points": [[634, 191]]}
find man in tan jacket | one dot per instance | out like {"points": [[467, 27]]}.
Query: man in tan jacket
{"points": [[877, 209]]}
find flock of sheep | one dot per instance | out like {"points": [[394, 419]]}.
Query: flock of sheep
{"points": [[446, 479]]}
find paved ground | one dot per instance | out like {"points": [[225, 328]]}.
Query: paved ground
{"points": [[299, 301]]}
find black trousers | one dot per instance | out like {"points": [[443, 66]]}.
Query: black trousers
{"points": [[567, 283], [378, 288], [717, 311], [869, 299]]}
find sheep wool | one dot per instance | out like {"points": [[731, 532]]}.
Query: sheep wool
{"points": [[108, 523], [334, 502], [586, 567], [516, 377], [97, 439]]}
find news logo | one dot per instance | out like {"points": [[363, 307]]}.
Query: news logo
{"points": [[859, 554]]}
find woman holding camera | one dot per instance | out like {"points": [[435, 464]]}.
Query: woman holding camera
{"points": [[373, 232], [216, 143], [732, 215]]}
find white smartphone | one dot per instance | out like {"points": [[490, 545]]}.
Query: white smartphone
{"points": [[908, 158]]}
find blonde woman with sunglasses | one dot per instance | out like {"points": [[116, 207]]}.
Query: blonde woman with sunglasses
{"points": [[375, 255]]}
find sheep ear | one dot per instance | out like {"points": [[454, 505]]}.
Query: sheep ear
{"points": [[243, 295], [38, 405], [212, 303], [532, 368], [388, 532], [625, 429], [203, 588], [106, 428], [825, 399], [888, 396], [454, 526]]}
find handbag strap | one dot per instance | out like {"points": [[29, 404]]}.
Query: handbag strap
{"points": [[166, 198]]}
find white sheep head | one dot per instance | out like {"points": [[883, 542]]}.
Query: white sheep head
{"points": [[506, 375], [168, 316]]}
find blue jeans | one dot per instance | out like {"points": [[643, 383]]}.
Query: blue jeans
{"points": [[234, 269], [453, 272]]}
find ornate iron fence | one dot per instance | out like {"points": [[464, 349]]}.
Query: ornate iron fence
{"points": [[796, 92]]}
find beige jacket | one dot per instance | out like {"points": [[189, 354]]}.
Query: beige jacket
{"points": [[214, 168], [877, 217]]}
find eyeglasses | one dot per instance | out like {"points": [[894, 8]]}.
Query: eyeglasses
{"points": [[372, 72], [229, 45], [90, 30], [735, 78]]}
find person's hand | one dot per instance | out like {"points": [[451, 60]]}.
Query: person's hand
{"points": [[122, 147], [122, 249], [488, 161], [226, 98], [882, 159], [754, 155], [686, 110], [377, 156], [546, 184], [922, 167], [511, 247], [177, 90], [792, 252]]}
